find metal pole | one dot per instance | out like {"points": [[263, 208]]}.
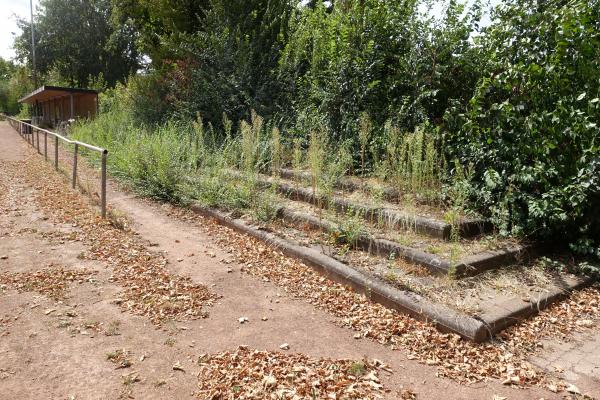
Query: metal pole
{"points": [[56, 153], [33, 44], [37, 133], [75, 166], [103, 185], [45, 145]]}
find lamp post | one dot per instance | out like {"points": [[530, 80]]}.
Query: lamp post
{"points": [[32, 44]]}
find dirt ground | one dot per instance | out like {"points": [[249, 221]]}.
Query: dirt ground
{"points": [[59, 348]]}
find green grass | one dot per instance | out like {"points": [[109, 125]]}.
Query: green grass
{"points": [[155, 162], [179, 162], [185, 162]]}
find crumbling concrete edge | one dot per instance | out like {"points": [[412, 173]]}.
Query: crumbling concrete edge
{"points": [[469, 266], [381, 247], [476, 329], [516, 310], [430, 226], [413, 304]]}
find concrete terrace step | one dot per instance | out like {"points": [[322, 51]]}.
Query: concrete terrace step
{"points": [[468, 266], [393, 219]]}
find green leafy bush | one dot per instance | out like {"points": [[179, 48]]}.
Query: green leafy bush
{"points": [[155, 161], [382, 58], [531, 129]]}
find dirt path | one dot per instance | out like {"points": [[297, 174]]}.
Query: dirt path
{"points": [[58, 348]]}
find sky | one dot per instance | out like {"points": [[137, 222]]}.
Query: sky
{"points": [[9, 9]]}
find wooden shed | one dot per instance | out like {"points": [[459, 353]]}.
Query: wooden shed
{"points": [[52, 105]]}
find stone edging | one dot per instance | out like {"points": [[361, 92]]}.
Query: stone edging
{"points": [[469, 266], [392, 218], [477, 329]]}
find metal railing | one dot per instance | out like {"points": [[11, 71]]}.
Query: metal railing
{"points": [[30, 132]]}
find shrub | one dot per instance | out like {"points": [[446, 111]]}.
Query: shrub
{"points": [[155, 162], [531, 129]]}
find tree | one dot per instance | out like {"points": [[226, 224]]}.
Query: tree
{"points": [[77, 40], [159, 23], [385, 58], [224, 62], [532, 128], [15, 82]]}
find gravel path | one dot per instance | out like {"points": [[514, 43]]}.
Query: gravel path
{"points": [[72, 345]]}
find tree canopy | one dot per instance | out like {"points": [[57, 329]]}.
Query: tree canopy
{"points": [[76, 42]]}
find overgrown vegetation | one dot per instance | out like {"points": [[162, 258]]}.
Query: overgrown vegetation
{"points": [[14, 83], [501, 121], [531, 129]]}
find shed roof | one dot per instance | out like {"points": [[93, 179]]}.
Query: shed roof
{"points": [[51, 92]]}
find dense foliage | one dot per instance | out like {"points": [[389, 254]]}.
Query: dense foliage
{"points": [[14, 83], [504, 117], [226, 64], [532, 127], [384, 58], [297, 64], [75, 43]]}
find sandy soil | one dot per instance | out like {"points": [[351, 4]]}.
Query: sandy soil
{"points": [[57, 349]]}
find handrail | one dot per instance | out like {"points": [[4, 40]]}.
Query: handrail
{"points": [[76, 143], [37, 128]]}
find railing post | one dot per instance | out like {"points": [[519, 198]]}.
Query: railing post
{"points": [[103, 185], [45, 145], [56, 153], [28, 131], [75, 165]]}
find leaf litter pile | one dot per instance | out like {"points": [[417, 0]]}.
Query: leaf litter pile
{"points": [[253, 374], [148, 287], [503, 358], [51, 282]]}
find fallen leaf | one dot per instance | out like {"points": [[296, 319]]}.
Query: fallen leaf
{"points": [[177, 367], [572, 389], [587, 323]]}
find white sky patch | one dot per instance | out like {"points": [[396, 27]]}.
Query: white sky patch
{"points": [[9, 11], [440, 5]]}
